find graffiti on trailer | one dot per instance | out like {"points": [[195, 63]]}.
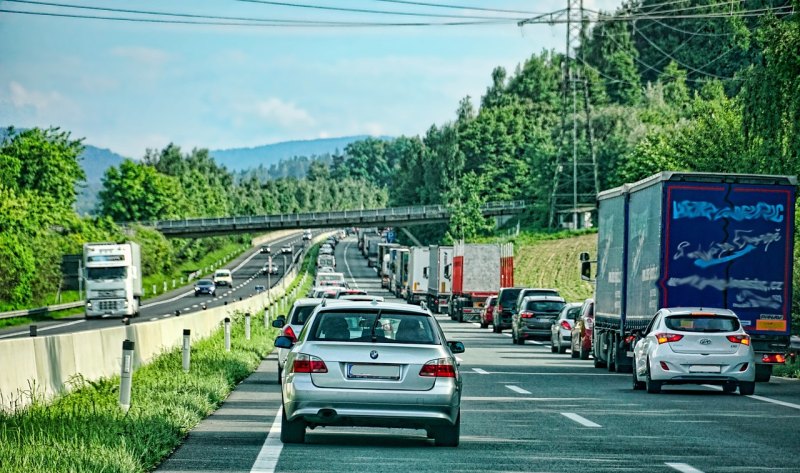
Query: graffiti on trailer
{"points": [[748, 299], [723, 252], [701, 209], [699, 282]]}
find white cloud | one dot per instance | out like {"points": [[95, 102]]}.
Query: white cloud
{"points": [[374, 129], [21, 97], [142, 55], [277, 112]]}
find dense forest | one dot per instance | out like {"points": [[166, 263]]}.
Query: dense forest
{"points": [[715, 91]]}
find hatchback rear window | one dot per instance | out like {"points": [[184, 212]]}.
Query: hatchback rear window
{"points": [[301, 313], [539, 292], [544, 306], [703, 324], [508, 297], [363, 326]]}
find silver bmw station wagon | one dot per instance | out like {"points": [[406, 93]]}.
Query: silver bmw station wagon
{"points": [[371, 364]]}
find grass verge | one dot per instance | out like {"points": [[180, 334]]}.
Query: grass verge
{"points": [[789, 370], [85, 430]]}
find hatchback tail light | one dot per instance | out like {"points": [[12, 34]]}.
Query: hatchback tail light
{"points": [[438, 368], [668, 337], [308, 364], [743, 339], [527, 315], [773, 358], [288, 332], [565, 325]]}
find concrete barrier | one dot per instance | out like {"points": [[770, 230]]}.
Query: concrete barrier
{"points": [[44, 366]]}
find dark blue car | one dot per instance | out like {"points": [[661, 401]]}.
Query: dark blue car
{"points": [[205, 286]]}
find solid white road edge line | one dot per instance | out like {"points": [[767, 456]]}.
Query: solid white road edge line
{"points": [[760, 398], [480, 371], [579, 419], [267, 458], [347, 265], [27, 332], [683, 467], [517, 389]]}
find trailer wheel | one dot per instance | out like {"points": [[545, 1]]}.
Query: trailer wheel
{"points": [[747, 388], [763, 373]]}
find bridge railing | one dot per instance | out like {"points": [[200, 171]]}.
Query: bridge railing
{"points": [[341, 215]]}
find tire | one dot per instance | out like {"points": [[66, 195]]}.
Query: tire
{"points": [[653, 387], [484, 324], [637, 385], [292, 431], [280, 375], [763, 373], [561, 348], [513, 337], [553, 347], [611, 356], [747, 388], [495, 328], [728, 387], [574, 354], [448, 436]]}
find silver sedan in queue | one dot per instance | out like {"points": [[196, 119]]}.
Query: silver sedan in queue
{"points": [[371, 364]]}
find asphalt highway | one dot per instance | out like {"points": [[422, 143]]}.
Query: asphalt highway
{"points": [[245, 270], [523, 409]]}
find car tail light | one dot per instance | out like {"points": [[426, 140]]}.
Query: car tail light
{"points": [[773, 358], [527, 315], [668, 337], [308, 364], [565, 325], [438, 368], [499, 309], [743, 339], [664, 366], [744, 367], [288, 332], [630, 339]]}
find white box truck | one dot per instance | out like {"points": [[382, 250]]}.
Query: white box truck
{"points": [[417, 274], [113, 279], [439, 286]]}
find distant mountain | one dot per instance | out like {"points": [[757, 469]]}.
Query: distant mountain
{"points": [[238, 159]]}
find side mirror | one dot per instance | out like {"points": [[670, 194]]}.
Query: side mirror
{"points": [[447, 271], [456, 347], [279, 322], [283, 342], [586, 269], [584, 256]]}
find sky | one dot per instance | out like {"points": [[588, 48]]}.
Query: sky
{"points": [[129, 86]]}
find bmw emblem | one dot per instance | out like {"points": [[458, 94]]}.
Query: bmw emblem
{"points": [[373, 354]]}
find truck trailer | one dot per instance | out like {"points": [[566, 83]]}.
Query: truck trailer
{"points": [[694, 240], [113, 279], [439, 286], [478, 271], [418, 260]]}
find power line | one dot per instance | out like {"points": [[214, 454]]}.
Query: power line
{"points": [[266, 23], [371, 11], [459, 7], [684, 65]]}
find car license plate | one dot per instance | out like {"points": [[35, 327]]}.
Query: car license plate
{"points": [[704, 369], [372, 371]]}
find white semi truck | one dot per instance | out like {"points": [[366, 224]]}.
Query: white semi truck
{"points": [[113, 279], [417, 274]]}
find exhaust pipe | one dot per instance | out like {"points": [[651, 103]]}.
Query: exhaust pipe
{"points": [[327, 414]]}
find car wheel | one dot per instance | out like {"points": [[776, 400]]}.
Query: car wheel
{"points": [[637, 385], [280, 374], [561, 348], [513, 337], [747, 388], [196, 294], [574, 353], [553, 347], [495, 328], [728, 387], [484, 324], [653, 387], [448, 436], [292, 431]]}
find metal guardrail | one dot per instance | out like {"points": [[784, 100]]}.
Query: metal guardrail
{"points": [[41, 310], [392, 215]]}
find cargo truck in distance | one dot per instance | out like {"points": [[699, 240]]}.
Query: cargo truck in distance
{"points": [[399, 272], [113, 279], [384, 261], [439, 287], [694, 240], [478, 271], [418, 259]]}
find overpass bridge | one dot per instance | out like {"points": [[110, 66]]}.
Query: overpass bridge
{"points": [[393, 216]]}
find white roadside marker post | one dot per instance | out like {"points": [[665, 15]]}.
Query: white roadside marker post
{"points": [[187, 349], [227, 334], [126, 375]]}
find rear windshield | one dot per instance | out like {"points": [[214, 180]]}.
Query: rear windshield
{"points": [[702, 324], [540, 292], [544, 306], [491, 302], [330, 277], [362, 326], [508, 297], [573, 313], [223, 273], [301, 313]]}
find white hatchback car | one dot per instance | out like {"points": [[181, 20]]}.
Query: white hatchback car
{"points": [[694, 346], [223, 277]]}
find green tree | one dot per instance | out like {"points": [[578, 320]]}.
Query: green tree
{"points": [[137, 192]]}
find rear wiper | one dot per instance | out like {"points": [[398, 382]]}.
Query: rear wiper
{"points": [[374, 326]]}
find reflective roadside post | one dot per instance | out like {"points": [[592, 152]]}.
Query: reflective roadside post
{"points": [[187, 349], [247, 326], [227, 334], [126, 375]]}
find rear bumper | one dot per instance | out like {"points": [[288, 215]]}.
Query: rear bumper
{"points": [[679, 369], [361, 407], [503, 320]]}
